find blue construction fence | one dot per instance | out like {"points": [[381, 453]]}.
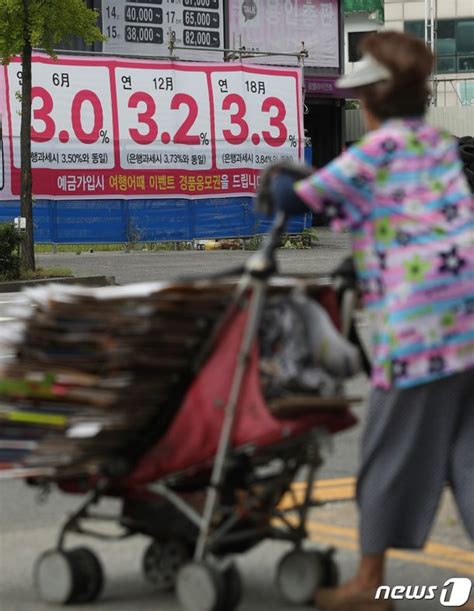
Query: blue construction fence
{"points": [[153, 220]]}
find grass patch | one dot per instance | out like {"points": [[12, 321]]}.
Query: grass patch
{"points": [[307, 239], [42, 273], [49, 248], [311, 233], [254, 243], [142, 246]]}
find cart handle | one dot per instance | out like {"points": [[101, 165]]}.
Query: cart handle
{"points": [[263, 263]]}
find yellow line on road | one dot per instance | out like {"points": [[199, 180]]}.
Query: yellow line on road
{"points": [[325, 483], [324, 495], [450, 552], [338, 489], [434, 554], [343, 489]]}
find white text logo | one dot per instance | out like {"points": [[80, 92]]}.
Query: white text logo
{"points": [[455, 592]]}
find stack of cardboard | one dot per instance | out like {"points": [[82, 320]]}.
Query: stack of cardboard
{"points": [[97, 371]]}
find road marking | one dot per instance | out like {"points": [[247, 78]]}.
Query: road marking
{"points": [[434, 554], [7, 356], [324, 491], [322, 483], [6, 319], [320, 495]]}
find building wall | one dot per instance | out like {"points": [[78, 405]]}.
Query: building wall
{"points": [[356, 22], [458, 121], [397, 11], [453, 89]]}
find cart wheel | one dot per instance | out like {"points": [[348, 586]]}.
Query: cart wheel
{"points": [[299, 575], [162, 561], [331, 570], [233, 589], [68, 577], [92, 574], [53, 577], [200, 587]]}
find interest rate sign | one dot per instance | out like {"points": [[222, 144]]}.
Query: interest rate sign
{"points": [[134, 129], [143, 27]]}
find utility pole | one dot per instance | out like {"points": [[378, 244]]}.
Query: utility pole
{"points": [[27, 256], [431, 20]]}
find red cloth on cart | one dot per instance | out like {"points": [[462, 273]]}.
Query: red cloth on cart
{"points": [[193, 437]]}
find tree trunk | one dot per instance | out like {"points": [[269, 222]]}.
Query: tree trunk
{"points": [[27, 259]]}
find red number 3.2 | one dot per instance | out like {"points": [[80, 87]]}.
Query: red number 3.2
{"points": [[145, 117]]}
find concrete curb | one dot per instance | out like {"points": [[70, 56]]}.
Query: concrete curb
{"points": [[91, 281]]}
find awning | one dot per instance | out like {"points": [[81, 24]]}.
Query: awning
{"points": [[365, 6]]}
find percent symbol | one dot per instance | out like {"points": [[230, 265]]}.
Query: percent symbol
{"points": [[292, 140], [104, 136], [204, 139]]}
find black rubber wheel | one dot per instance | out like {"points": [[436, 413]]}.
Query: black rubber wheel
{"points": [[162, 562], [87, 565], [200, 587], [68, 577], [469, 172], [331, 576], [467, 152], [300, 573], [233, 589]]}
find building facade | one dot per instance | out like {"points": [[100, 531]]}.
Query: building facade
{"points": [[453, 78], [452, 105], [454, 44], [361, 18]]}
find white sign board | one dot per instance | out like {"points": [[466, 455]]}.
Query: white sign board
{"points": [[280, 26], [124, 128], [141, 27], [2, 163]]}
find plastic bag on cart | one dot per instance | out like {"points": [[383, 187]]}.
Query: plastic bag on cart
{"points": [[301, 351]]}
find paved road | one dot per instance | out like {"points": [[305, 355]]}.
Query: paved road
{"points": [[28, 528], [163, 265]]}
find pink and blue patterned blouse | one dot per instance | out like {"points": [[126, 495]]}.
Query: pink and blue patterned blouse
{"points": [[402, 193]]}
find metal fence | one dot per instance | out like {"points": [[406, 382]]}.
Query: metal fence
{"points": [[452, 92], [452, 109]]}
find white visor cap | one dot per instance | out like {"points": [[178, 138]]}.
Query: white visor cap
{"points": [[367, 71]]}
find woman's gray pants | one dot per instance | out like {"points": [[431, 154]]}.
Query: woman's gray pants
{"points": [[416, 440]]}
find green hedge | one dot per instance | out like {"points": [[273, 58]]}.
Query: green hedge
{"points": [[10, 240]]}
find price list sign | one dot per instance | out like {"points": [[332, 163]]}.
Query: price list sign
{"points": [[142, 27], [108, 128]]}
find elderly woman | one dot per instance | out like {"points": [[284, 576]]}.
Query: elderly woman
{"points": [[402, 194]]}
